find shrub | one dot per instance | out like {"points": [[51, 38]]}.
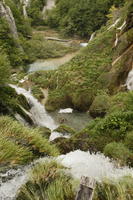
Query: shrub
{"points": [[47, 181], [117, 151], [27, 139], [109, 190]]}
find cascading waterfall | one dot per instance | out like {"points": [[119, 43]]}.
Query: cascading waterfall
{"points": [[6, 13], [129, 81], [38, 112], [25, 5], [50, 4]]}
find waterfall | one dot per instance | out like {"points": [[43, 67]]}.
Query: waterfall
{"points": [[38, 113], [129, 81], [25, 4], [50, 4], [6, 13], [113, 25], [92, 36]]}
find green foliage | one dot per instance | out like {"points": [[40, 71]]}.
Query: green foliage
{"points": [[47, 180], [23, 25], [4, 68], [109, 190], [100, 106], [35, 12], [12, 153], [70, 16], [65, 129], [117, 151], [39, 48], [129, 140], [27, 140]]}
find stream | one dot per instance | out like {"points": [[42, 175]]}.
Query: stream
{"points": [[79, 163]]}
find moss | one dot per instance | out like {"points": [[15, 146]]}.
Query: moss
{"points": [[65, 129], [99, 106], [118, 151], [45, 132]]}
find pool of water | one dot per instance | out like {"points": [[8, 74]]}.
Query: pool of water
{"points": [[76, 120], [50, 64]]}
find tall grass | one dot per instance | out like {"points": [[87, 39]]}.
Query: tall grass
{"points": [[48, 181], [109, 190], [19, 143]]}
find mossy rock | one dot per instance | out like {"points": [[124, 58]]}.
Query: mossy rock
{"points": [[65, 129], [100, 106], [119, 152], [45, 132]]}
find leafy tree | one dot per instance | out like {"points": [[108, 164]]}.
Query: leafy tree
{"points": [[35, 11], [81, 17], [4, 68]]}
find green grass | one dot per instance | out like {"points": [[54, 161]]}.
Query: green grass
{"points": [[40, 48], [24, 143], [110, 190], [48, 180]]}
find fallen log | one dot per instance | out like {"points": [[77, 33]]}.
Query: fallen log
{"points": [[57, 39]]}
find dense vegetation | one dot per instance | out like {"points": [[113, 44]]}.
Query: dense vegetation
{"points": [[35, 12], [20, 144], [70, 16], [93, 81]]}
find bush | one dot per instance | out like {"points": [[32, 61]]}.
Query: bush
{"points": [[47, 181], [109, 190], [117, 151], [99, 106], [28, 140], [70, 16], [129, 140]]}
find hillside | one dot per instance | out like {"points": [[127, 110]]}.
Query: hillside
{"points": [[66, 99]]}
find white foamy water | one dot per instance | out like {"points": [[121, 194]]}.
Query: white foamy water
{"points": [[56, 134], [9, 189], [93, 165], [79, 163], [84, 44], [38, 112], [113, 25], [66, 110], [129, 82]]}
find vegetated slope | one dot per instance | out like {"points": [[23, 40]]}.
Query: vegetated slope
{"points": [[19, 144], [101, 67], [80, 17], [94, 80]]}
